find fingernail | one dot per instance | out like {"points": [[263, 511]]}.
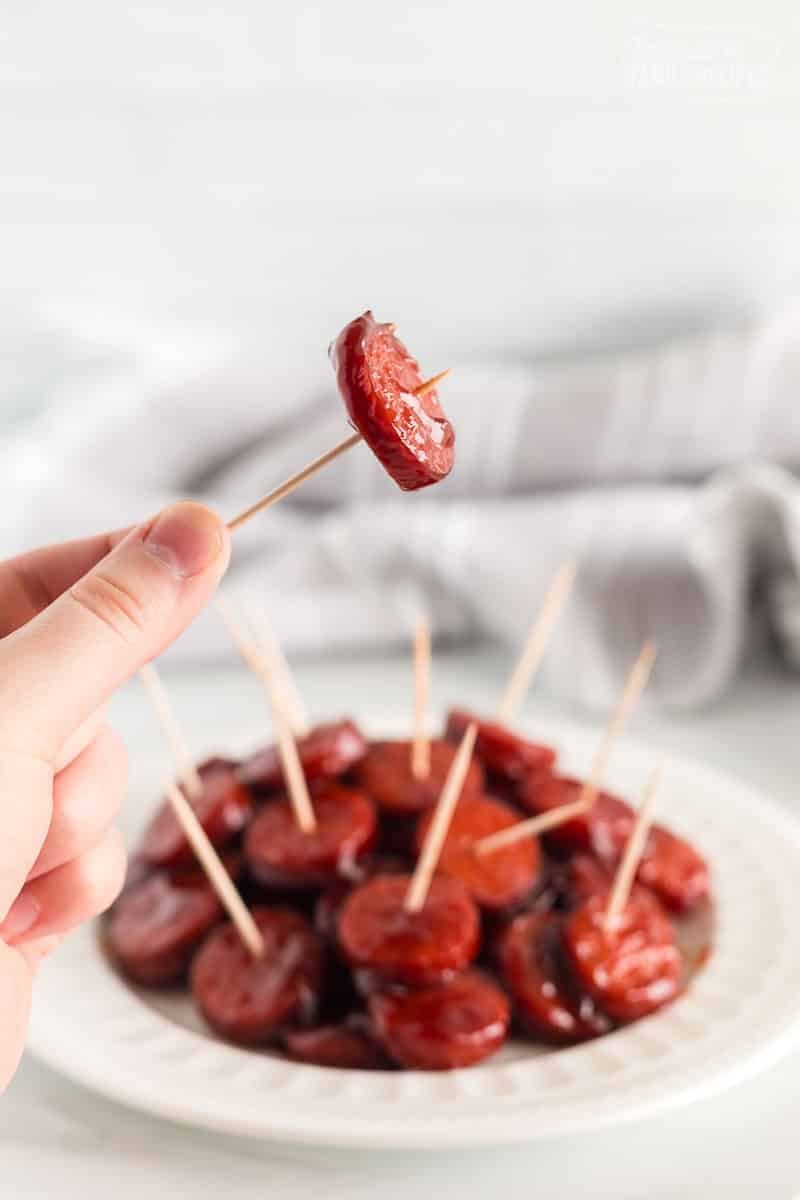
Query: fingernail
{"points": [[187, 537], [21, 917]]}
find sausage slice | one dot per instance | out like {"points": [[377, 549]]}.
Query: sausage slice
{"points": [[456, 1024], [325, 753], [376, 932], [157, 924], [507, 756], [528, 959], [385, 773], [223, 807], [378, 378], [495, 881], [280, 853], [630, 970], [248, 1000]]}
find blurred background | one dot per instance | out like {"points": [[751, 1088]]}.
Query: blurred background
{"points": [[588, 211]]}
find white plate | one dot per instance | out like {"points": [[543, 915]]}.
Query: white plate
{"points": [[741, 1012]]}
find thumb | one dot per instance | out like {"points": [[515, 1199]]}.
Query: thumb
{"points": [[56, 670]]}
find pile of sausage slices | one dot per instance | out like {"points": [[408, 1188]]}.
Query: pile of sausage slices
{"points": [[349, 977]]}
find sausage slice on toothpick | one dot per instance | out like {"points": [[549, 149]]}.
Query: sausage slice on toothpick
{"points": [[391, 407]]}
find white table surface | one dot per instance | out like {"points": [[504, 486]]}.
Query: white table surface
{"points": [[61, 1142]]}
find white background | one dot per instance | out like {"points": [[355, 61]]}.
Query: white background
{"points": [[530, 177]]}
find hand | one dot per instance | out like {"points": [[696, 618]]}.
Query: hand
{"points": [[76, 622]]}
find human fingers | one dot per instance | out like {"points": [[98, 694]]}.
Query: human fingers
{"points": [[69, 895], [56, 670], [87, 796]]}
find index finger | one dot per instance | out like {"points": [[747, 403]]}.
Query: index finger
{"points": [[31, 582]]}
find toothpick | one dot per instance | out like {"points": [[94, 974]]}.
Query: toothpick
{"points": [[421, 744], [634, 686], [533, 826], [293, 482], [536, 642], [241, 635], [431, 383], [296, 785], [218, 877], [634, 849], [270, 649], [181, 753], [443, 814]]}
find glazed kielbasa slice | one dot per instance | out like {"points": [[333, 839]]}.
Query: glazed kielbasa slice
{"points": [[350, 1046], [506, 755], [528, 960], [439, 1028], [629, 970], [377, 934], [604, 830], [280, 853], [157, 924], [670, 867], [495, 881], [329, 903], [248, 1000], [325, 753], [182, 874], [674, 870], [385, 773], [583, 876], [377, 378], [223, 807]]}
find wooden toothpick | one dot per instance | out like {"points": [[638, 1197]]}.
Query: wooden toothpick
{"points": [[445, 807], [536, 642], [218, 877], [173, 733], [634, 686], [433, 382], [533, 826], [421, 744], [293, 482], [634, 849], [296, 785], [270, 649]]}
